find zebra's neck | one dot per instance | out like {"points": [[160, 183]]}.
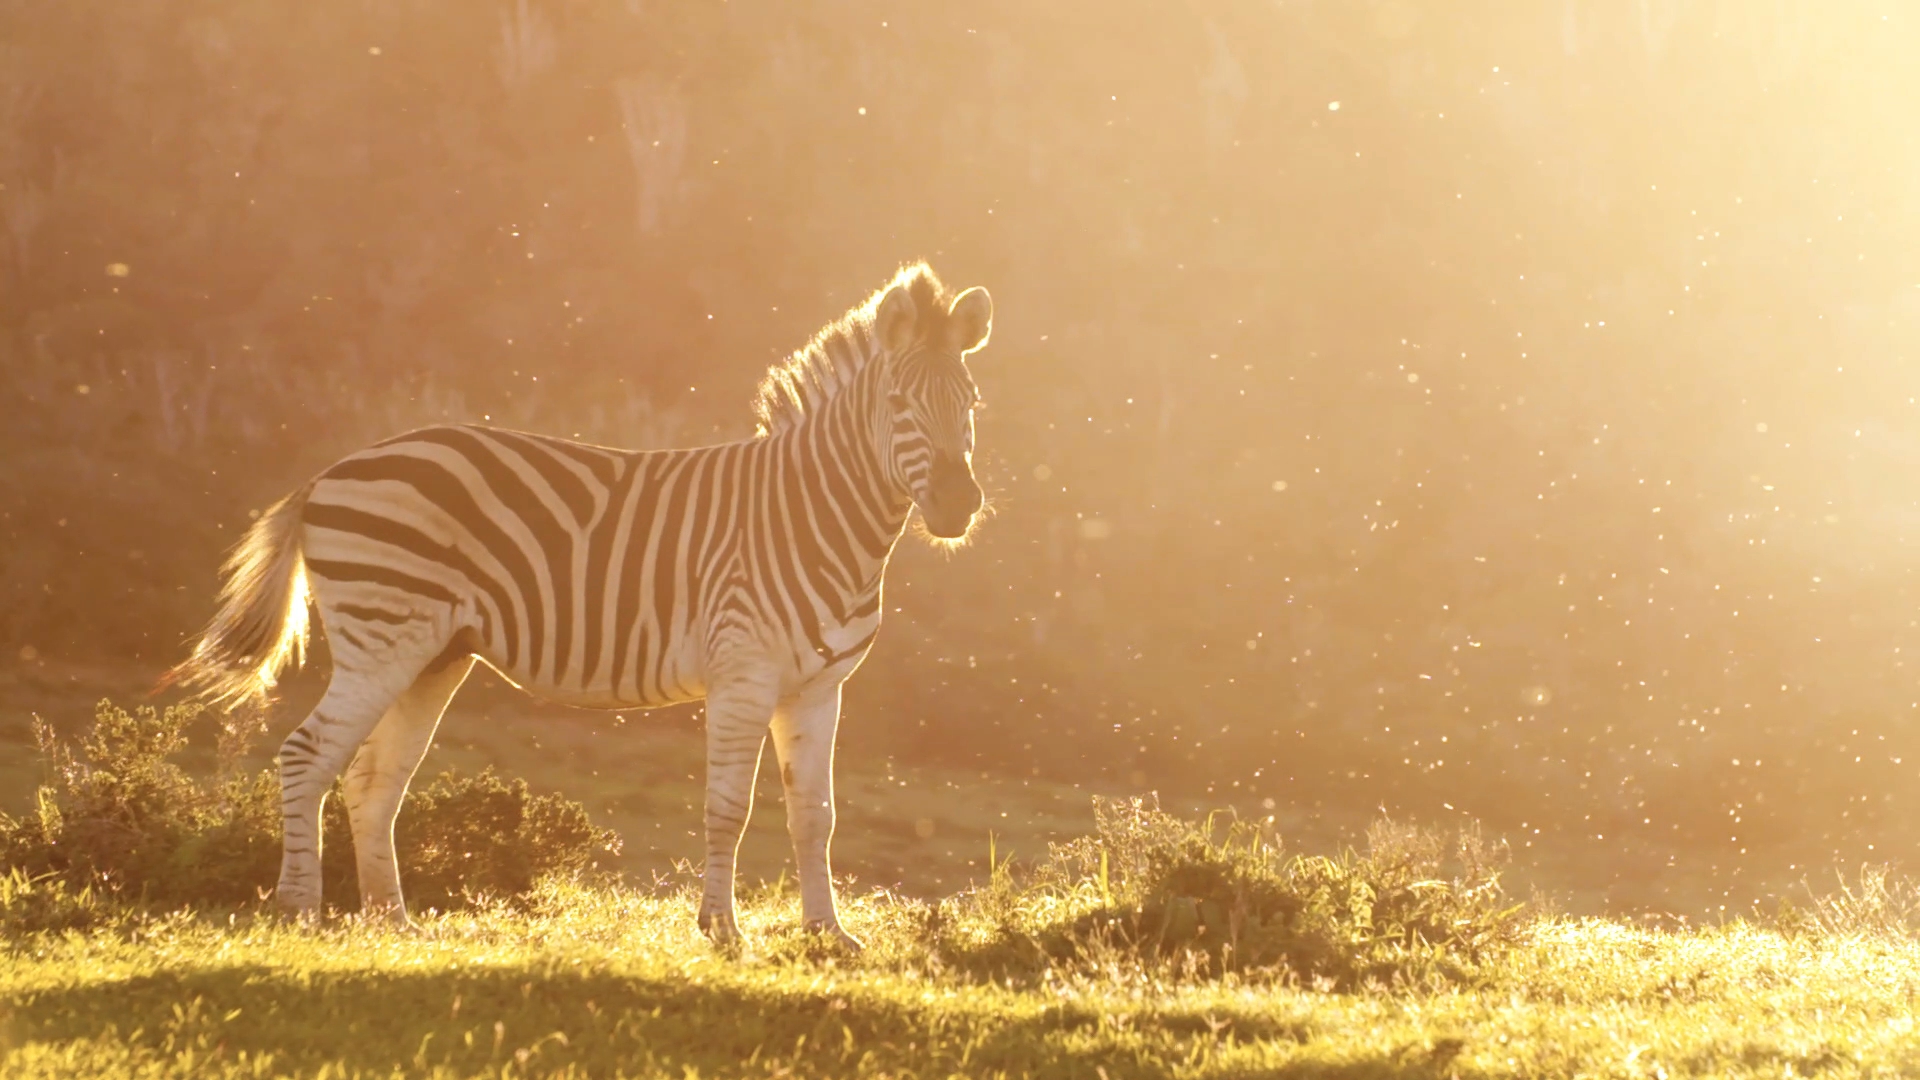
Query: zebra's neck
{"points": [[838, 457]]}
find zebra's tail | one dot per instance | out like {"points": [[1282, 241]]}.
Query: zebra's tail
{"points": [[262, 621]]}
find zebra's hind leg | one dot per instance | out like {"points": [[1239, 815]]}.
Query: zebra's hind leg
{"points": [[738, 711], [376, 782], [311, 758], [803, 734]]}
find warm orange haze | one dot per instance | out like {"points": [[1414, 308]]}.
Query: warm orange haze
{"points": [[1502, 412]]}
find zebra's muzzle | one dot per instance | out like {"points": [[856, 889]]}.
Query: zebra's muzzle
{"points": [[952, 498]]}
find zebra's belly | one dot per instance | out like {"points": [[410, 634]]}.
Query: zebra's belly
{"points": [[668, 683], [606, 698]]}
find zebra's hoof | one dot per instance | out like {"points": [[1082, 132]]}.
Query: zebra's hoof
{"points": [[721, 929], [297, 918], [390, 916], [833, 932]]}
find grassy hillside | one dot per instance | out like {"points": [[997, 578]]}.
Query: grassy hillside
{"points": [[611, 983]]}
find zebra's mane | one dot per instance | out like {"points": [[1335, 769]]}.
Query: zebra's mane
{"points": [[796, 386]]}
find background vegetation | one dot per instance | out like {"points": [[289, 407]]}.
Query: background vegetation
{"points": [[1501, 410]]}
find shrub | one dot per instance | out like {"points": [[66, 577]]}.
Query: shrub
{"points": [[1877, 903], [1224, 896], [462, 838], [120, 819]]}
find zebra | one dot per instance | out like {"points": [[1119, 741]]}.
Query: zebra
{"points": [[746, 573]]}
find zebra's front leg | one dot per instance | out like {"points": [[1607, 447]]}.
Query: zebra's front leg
{"points": [[737, 714], [803, 736]]}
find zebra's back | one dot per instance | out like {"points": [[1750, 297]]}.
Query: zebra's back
{"points": [[575, 570]]}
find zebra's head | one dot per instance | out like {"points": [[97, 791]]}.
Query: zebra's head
{"points": [[931, 398]]}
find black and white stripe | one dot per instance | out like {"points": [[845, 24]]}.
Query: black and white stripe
{"points": [[748, 574]]}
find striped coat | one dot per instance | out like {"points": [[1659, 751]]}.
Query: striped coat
{"points": [[747, 574]]}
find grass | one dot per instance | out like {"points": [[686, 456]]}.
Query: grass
{"points": [[1400, 961], [1148, 946], [618, 983]]}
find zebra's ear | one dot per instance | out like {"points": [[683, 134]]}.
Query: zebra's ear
{"points": [[970, 320], [894, 322]]}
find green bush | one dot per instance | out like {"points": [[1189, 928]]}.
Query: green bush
{"points": [[120, 819], [463, 838], [1224, 896], [119, 816]]}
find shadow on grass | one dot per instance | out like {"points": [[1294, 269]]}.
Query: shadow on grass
{"points": [[535, 1021]]}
